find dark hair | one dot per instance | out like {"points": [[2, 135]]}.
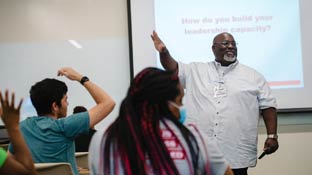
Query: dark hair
{"points": [[79, 109], [136, 131], [45, 92]]}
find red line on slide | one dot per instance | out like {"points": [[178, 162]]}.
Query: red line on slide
{"points": [[284, 83]]}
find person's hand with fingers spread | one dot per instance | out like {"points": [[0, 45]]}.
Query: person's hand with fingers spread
{"points": [[11, 114], [21, 162]]}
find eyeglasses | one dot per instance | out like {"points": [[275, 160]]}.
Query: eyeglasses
{"points": [[227, 43]]}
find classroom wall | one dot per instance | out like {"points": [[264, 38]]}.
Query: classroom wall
{"points": [[294, 155], [34, 44], [34, 21]]}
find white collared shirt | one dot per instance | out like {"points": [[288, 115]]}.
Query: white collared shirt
{"points": [[225, 103]]}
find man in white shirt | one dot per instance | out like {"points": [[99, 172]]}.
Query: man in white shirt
{"points": [[225, 98]]}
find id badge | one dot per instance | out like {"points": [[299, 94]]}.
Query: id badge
{"points": [[220, 91]]}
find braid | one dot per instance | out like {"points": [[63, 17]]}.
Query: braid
{"points": [[136, 132]]}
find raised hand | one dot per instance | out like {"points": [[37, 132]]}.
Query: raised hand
{"points": [[159, 45], [10, 114], [70, 73]]}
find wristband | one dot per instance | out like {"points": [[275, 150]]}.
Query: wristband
{"points": [[84, 79], [272, 136]]}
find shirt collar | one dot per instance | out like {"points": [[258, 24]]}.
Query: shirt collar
{"points": [[229, 68]]}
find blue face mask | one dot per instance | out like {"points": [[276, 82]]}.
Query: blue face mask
{"points": [[182, 111]]}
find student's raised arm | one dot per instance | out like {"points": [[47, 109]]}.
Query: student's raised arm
{"points": [[104, 103], [21, 163]]}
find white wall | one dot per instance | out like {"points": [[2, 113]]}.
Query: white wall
{"points": [[34, 45], [294, 155]]}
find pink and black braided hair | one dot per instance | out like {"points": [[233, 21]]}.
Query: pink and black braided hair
{"points": [[135, 134]]}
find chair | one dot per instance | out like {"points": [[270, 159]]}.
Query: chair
{"points": [[61, 168], [4, 136], [82, 162], [4, 146], [82, 159]]}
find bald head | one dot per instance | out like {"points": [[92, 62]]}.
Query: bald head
{"points": [[224, 48], [221, 37]]}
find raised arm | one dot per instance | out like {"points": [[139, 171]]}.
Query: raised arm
{"points": [[165, 58], [104, 103], [21, 162], [270, 120]]}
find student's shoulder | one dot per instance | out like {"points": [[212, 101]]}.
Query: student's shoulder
{"points": [[76, 117], [32, 120]]}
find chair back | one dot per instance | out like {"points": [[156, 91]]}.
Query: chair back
{"points": [[60, 168], [4, 136], [82, 159]]}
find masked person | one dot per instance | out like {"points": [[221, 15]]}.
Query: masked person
{"points": [[148, 136]]}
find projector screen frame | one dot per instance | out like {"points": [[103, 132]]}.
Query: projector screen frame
{"points": [[305, 26]]}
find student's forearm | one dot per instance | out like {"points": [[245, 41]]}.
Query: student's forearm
{"points": [[21, 151], [105, 104], [97, 93]]}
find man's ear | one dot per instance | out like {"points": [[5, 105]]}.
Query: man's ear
{"points": [[54, 107]]}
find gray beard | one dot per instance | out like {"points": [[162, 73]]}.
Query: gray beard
{"points": [[229, 59]]}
